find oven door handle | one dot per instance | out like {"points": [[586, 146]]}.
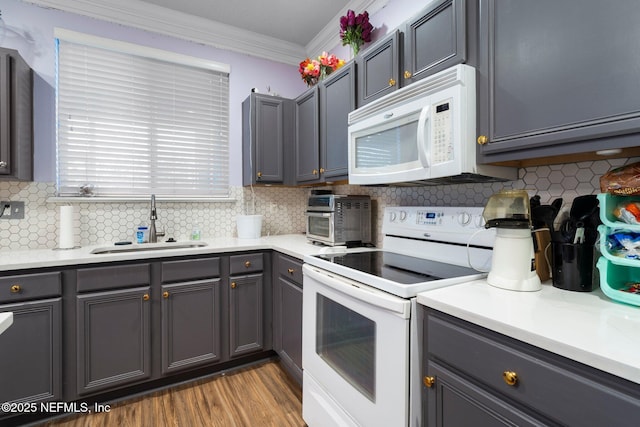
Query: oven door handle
{"points": [[398, 306]]}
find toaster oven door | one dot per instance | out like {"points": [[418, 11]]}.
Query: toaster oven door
{"points": [[320, 227]]}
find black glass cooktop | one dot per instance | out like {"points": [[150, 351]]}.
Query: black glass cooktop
{"points": [[399, 268]]}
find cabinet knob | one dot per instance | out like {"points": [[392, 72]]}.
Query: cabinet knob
{"points": [[259, 175], [247, 264], [16, 289], [429, 381], [482, 139], [407, 74], [315, 172], [392, 82], [510, 377], [145, 297], [3, 164], [290, 270], [165, 294], [321, 170], [233, 285]]}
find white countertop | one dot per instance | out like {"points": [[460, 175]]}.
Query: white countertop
{"points": [[6, 319], [584, 326], [295, 245]]}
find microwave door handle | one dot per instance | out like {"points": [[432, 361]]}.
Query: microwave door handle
{"points": [[423, 143]]}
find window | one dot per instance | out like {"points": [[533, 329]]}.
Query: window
{"points": [[133, 121]]}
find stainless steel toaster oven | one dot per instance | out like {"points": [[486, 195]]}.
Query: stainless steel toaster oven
{"points": [[334, 219]]}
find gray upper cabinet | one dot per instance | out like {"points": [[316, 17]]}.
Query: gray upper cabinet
{"points": [[16, 115], [434, 40], [557, 78], [379, 69], [267, 128], [337, 100], [307, 137]]}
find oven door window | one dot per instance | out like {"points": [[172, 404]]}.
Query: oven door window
{"points": [[320, 226], [346, 341]]}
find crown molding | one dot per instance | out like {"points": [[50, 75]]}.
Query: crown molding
{"points": [[329, 37], [182, 26]]}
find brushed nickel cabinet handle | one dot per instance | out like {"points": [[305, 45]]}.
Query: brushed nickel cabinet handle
{"points": [[3, 164]]}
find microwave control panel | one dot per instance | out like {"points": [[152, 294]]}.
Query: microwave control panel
{"points": [[441, 132]]}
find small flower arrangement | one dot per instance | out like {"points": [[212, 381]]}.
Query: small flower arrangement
{"points": [[312, 70], [355, 30]]}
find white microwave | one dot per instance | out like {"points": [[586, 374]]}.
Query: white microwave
{"points": [[423, 133]]}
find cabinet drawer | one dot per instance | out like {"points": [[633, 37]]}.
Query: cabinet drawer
{"points": [[30, 286], [121, 276], [191, 269], [290, 267], [249, 263], [569, 393]]}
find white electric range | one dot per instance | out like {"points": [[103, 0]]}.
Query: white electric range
{"points": [[361, 358]]}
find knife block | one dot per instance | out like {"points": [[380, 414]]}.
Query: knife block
{"points": [[542, 244]]}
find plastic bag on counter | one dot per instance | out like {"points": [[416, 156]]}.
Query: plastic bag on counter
{"points": [[624, 180], [628, 212], [624, 244]]}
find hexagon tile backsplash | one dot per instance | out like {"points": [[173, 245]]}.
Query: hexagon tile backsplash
{"points": [[283, 208]]}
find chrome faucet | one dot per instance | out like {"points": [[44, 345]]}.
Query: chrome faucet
{"points": [[153, 235]]}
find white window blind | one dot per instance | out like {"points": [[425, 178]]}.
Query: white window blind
{"points": [[132, 125]]}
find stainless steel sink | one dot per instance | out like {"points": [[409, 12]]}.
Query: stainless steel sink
{"points": [[145, 247]]}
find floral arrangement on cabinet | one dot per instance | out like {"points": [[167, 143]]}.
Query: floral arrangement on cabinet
{"points": [[312, 70], [355, 30]]}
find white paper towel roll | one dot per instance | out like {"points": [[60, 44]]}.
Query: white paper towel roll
{"points": [[65, 228]]}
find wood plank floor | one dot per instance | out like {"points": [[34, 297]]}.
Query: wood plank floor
{"points": [[261, 395]]}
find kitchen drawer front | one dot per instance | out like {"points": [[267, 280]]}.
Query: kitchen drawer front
{"points": [[191, 269], [30, 286], [249, 263], [121, 276], [543, 381], [290, 268]]}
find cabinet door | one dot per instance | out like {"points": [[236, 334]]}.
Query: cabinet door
{"points": [[288, 325], [190, 324], [378, 69], [30, 352], [455, 402], [337, 100], [246, 326], [114, 338], [16, 116], [265, 130], [307, 159], [434, 40], [555, 79]]}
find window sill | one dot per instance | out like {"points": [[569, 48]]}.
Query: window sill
{"points": [[140, 199]]}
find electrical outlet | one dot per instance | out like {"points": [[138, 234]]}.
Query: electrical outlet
{"points": [[11, 210]]}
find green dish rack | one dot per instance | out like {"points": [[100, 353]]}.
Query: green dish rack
{"points": [[617, 274]]}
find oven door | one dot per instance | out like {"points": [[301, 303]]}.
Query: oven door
{"points": [[320, 227], [355, 353]]}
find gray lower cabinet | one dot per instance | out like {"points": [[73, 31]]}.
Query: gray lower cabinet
{"points": [[379, 69], [307, 137], [473, 376], [267, 133], [113, 327], [16, 117], [246, 304], [190, 314], [31, 349], [287, 314], [555, 80], [435, 39], [337, 100], [113, 338]]}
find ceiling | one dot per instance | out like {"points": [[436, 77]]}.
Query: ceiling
{"points": [[278, 30], [296, 21]]}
